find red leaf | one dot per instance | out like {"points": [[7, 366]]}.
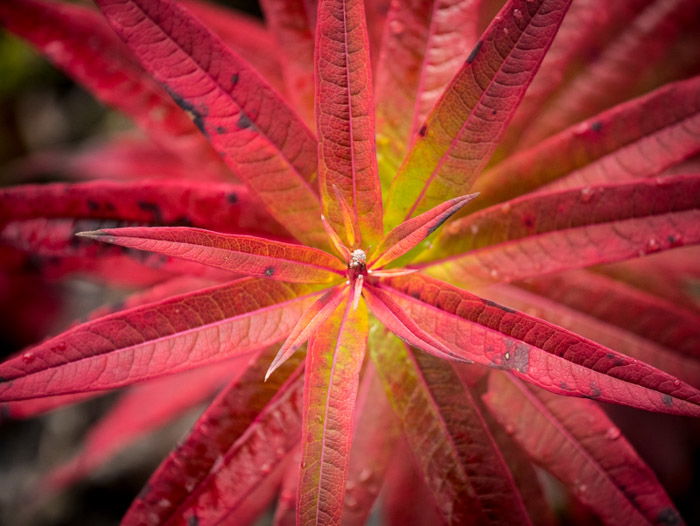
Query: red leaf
{"points": [[245, 35], [257, 135], [253, 256], [335, 356], [548, 232], [619, 304], [167, 337], [77, 40], [548, 356], [230, 451], [642, 46], [465, 126], [292, 24], [141, 410], [424, 45], [576, 441], [345, 119], [620, 144], [410, 233], [462, 466]]}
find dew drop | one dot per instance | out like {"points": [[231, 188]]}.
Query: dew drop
{"points": [[613, 433], [582, 488], [676, 383], [164, 503], [510, 429], [494, 273], [518, 15], [365, 475], [586, 194], [505, 208], [396, 27], [653, 245], [474, 229], [280, 451], [351, 502], [265, 468], [60, 346], [505, 30], [28, 357], [349, 485]]}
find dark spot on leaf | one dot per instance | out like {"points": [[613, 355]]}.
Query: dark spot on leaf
{"points": [[595, 391], [93, 205], [152, 209], [528, 221], [674, 241], [610, 356], [669, 517], [244, 121], [270, 271], [193, 521], [474, 52], [232, 198], [667, 399], [415, 294], [493, 112], [517, 356], [234, 79], [3, 379], [423, 130], [110, 206], [565, 386], [498, 306], [196, 115], [220, 130], [596, 126]]}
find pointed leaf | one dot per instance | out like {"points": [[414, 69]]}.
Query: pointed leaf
{"points": [[642, 46], [167, 337], [448, 437], [291, 24], [424, 44], [230, 451], [345, 118], [315, 315], [253, 256], [537, 351], [465, 126], [258, 136], [335, 356], [592, 225], [620, 144], [78, 40], [141, 410], [576, 442], [409, 233]]}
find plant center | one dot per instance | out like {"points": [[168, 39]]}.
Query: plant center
{"points": [[357, 266]]}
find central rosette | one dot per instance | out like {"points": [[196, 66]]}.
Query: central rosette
{"points": [[357, 266]]}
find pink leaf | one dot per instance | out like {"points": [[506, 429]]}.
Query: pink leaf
{"points": [[345, 118]]}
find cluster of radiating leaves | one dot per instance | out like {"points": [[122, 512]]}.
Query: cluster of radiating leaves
{"points": [[338, 378]]}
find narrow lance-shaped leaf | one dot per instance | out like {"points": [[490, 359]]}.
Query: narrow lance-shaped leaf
{"points": [[141, 410], [537, 351], [291, 24], [335, 355], [231, 450], [423, 46], [410, 233], [452, 446], [256, 133], [345, 119], [592, 225], [642, 47], [577, 442], [166, 337], [465, 126], [623, 143], [249, 255]]}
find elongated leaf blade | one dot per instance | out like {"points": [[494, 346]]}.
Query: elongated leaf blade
{"points": [[141, 410], [231, 450], [465, 126], [462, 466], [254, 131], [167, 337], [410, 233], [537, 351], [592, 225], [78, 41], [249, 255], [576, 441], [345, 118], [620, 144], [335, 355], [424, 44]]}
